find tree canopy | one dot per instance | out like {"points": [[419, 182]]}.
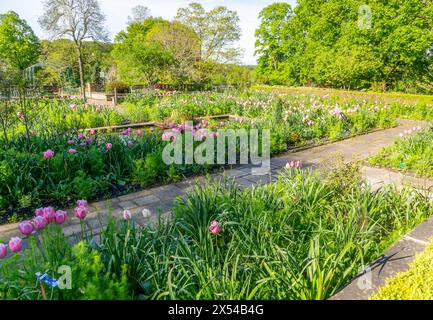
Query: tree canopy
{"points": [[347, 43], [19, 46], [217, 31]]}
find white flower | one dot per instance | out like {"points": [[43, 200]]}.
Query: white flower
{"points": [[146, 213]]}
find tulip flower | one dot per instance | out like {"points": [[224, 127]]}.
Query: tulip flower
{"points": [[16, 245], [81, 212], [214, 228], [72, 151], [48, 154], [26, 228], [39, 212], [39, 222], [127, 215], [109, 146], [3, 251], [82, 203], [146, 213], [60, 217], [49, 214]]}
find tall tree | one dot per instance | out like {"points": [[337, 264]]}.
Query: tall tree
{"points": [[348, 44], [77, 19], [138, 58], [19, 50], [272, 37], [217, 31], [182, 43], [139, 14], [19, 46]]}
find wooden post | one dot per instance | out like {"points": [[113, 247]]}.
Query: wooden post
{"points": [[115, 96]]}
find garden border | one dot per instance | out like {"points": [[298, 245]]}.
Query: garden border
{"points": [[395, 260]]}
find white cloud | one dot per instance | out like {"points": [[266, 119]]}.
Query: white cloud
{"points": [[117, 12]]}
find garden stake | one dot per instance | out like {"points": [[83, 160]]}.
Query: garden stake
{"points": [[44, 294]]}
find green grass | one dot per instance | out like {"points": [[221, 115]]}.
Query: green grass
{"points": [[414, 284], [413, 153], [388, 97]]}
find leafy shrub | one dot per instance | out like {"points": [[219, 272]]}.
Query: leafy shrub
{"points": [[414, 284], [90, 279], [120, 86], [300, 238], [413, 152]]}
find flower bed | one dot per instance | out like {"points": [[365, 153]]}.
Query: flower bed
{"points": [[300, 238], [59, 162], [413, 152]]}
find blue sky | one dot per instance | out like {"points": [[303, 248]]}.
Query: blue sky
{"points": [[117, 12]]}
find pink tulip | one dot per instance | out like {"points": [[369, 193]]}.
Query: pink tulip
{"points": [[71, 142], [214, 228], [3, 251], [139, 133], [26, 228], [16, 245], [130, 143], [127, 215], [39, 222], [92, 132], [39, 212], [81, 136], [89, 140], [109, 146], [49, 214], [298, 165], [82, 203], [81, 212], [60, 217], [72, 151], [48, 154]]}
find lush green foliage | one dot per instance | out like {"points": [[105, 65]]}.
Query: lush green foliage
{"points": [[216, 31], [90, 280], [347, 44], [30, 180], [301, 238], [414, 152], [19, 46], [156, 50], [414, 284]]}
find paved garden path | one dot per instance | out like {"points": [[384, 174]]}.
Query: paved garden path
{"points": [[160, 199]]}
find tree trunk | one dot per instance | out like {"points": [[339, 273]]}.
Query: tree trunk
{"points": [[81, 68]]}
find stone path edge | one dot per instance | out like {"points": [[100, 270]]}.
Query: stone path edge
{"points": [[395, 260]]}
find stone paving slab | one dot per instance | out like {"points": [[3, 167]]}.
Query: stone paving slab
{"points": [[395, 260], [378, 177]]}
